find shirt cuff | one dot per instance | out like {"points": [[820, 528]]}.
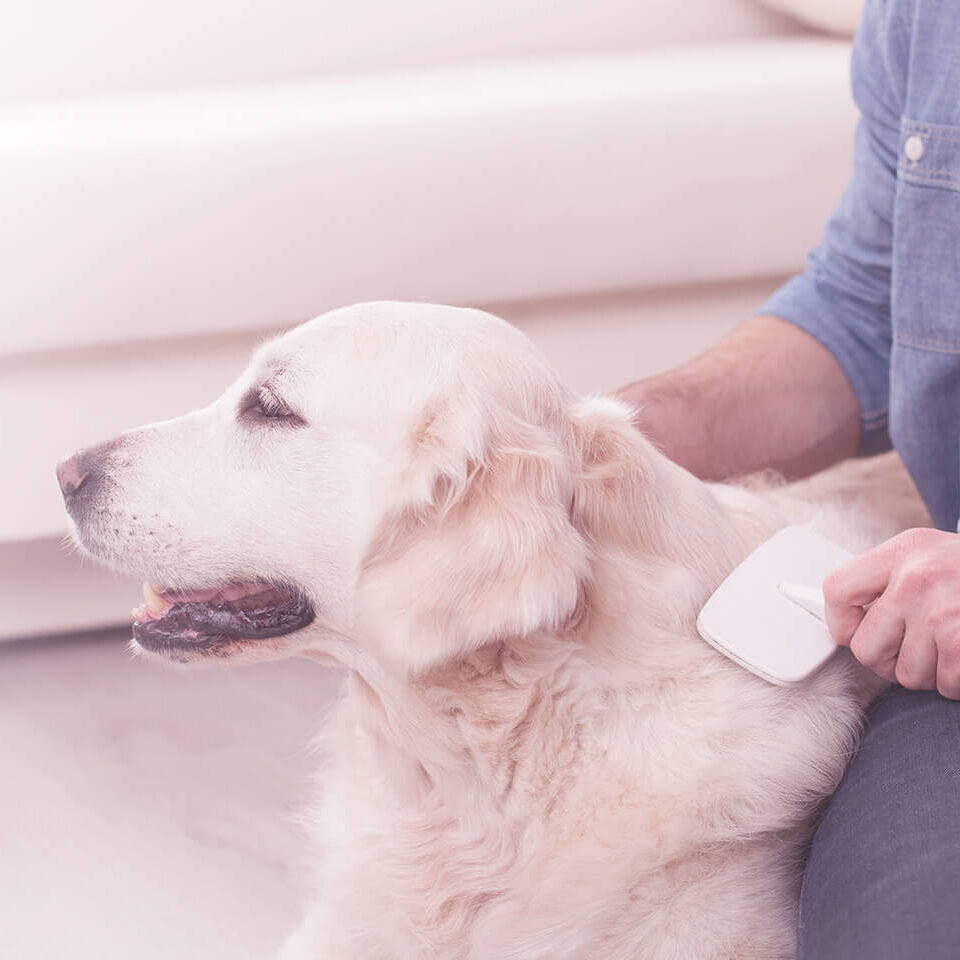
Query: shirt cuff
{"points": [[851, 332]]}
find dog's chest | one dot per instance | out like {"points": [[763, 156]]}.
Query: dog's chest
{"points": [[444, 829], [454, 836]]}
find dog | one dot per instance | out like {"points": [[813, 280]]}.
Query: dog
{"points": [[534, 755]]}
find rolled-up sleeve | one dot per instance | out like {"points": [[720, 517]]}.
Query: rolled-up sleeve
{"points": [[843, 297]]}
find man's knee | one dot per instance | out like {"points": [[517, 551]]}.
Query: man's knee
{"points": [[884, 870]]}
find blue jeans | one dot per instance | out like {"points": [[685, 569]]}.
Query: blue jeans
{"points": [[883, 878]]}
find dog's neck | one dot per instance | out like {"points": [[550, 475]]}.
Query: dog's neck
{"points": [[703, 528]]}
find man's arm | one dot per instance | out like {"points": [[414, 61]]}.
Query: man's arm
{"points": [[768, 395]]}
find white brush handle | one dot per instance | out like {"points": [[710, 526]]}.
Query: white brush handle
{"points": [[810, 598]]}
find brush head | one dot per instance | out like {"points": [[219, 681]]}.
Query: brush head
{"points": [[750, 620]]}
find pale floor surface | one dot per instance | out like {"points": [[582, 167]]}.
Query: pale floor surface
{"points": [[148, 813]]}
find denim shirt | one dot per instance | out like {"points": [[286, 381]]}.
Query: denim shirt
{"points": [[882, 291]]}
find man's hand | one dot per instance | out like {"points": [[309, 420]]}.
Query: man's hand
{"points": [[910, 631]]}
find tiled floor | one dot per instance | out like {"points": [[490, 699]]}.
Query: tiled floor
{"points": [[148, 813]]}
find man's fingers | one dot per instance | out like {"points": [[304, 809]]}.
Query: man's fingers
{"points": [[948, 682], [916, 666], [850, 587], [861, 579], [948, 667], [843, 620], [908, 583], [876, 642]]}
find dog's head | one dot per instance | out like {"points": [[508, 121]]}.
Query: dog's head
{"points": [[406, 476]]}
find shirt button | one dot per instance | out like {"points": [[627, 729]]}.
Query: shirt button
{"points": [[913, 148]]}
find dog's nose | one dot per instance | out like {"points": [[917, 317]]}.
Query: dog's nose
{"points": [[73, 473], [83, 475]]}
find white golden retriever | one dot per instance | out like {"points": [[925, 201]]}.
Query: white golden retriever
{"points": [[534, 756]]}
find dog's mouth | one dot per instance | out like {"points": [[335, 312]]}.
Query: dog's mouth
{"points": [[210, 621]]}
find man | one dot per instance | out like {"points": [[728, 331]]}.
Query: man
{"points": [[860, 351]]}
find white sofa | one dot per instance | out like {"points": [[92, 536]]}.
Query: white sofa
{"points": [[177, 181]]}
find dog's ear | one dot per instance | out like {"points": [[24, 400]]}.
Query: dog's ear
{"points": [[613, 485], [484, 547]]}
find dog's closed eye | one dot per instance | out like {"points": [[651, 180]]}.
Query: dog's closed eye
{"points": [[262, 405]]}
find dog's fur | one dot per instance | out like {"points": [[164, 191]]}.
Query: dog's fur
{"points": [[535, 756]]}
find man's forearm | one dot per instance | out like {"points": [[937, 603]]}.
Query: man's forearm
{"points": [[768, 395]]}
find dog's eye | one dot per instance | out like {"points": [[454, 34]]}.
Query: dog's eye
{"points": [[270, 407], [264, 405]]}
